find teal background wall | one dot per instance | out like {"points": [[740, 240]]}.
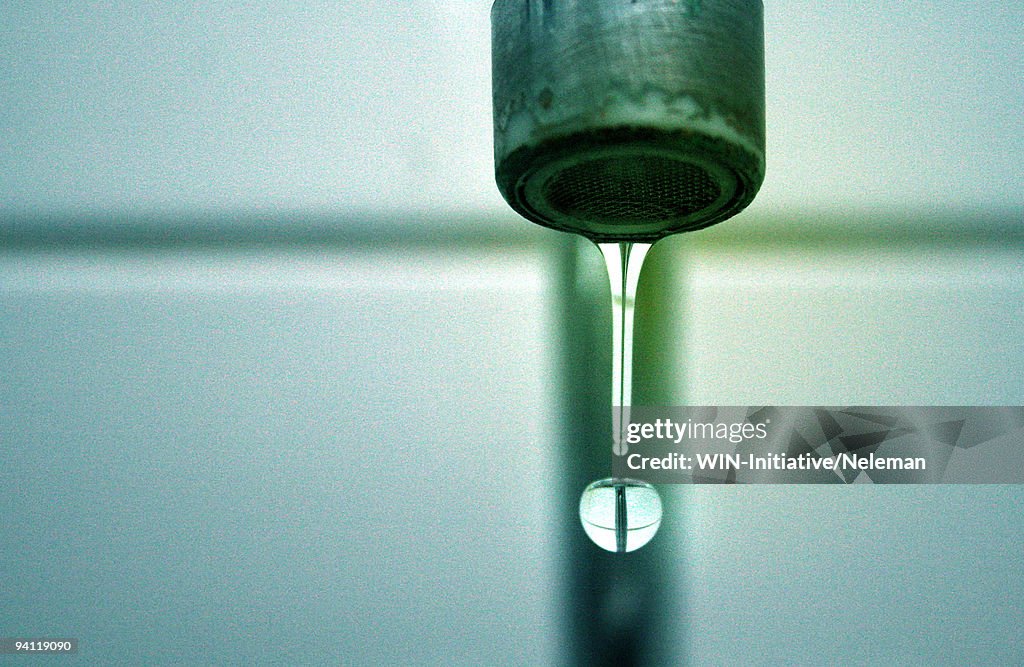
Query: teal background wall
{"points": [[907, 575], [283, 381]]}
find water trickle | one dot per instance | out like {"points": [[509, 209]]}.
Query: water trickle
{"points": [[621, 515]]}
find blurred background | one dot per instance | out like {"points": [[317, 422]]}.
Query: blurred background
{"points": [[283, 380]]}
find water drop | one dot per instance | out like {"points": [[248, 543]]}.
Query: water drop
{"points": [[619, 514]]}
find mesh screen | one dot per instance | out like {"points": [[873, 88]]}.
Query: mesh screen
{"points": [[634, 189]]}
